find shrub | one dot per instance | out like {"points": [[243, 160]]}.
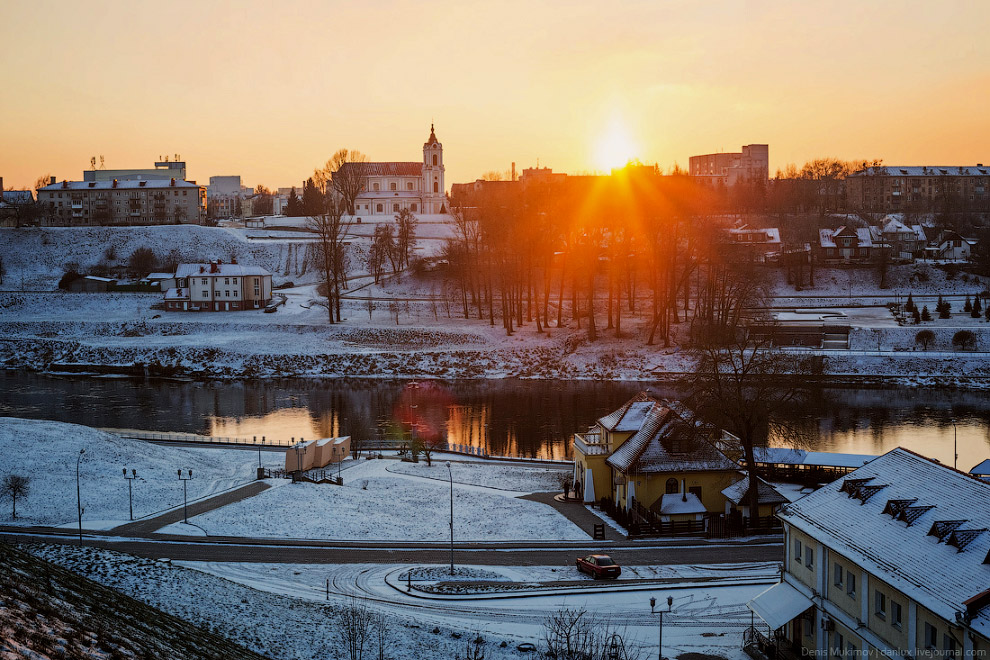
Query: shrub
{"points": [[68, 279], [925, 338], [964, 340]]}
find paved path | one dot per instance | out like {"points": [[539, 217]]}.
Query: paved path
{"points": [[577, 513], [147, 526]]}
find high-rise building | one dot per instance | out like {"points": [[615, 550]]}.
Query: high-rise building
{"points": [[751, 165]]}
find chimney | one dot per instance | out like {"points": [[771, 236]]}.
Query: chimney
{"points": [[214, 267], [173, 183], [513, 171], [233, 260], [65, 184], [114, 183], [202, 269], [683, 492], [51, 182]]}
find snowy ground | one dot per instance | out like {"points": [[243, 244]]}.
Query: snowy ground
{"points": [[47, 453], [250, 603], [378, 501]]}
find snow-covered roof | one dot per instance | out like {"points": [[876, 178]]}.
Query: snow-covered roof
{"points": [[17, 196], [767, 235], [982, 469], [160, 276], [736, 493], [923, 170], [221, 270], [679, 503], [779, 604], [120, 185], [177, 294], [99, 279], [789, 456], [826, 237], [668, 439], [917, 524]]}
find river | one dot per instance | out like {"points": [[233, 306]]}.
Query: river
{"points": [[526, 418]]}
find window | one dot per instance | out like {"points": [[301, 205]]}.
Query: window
{"points": [[226, 280], [880, 605], [395, 208], [895, 614], [409, 185], [392, 186], [413, 208], [216, 293], [851, 584], [931, 636], [809, 558], [234, 280], [797, 550], [379, 208], [949, 646], [434, 159], [376, 186], [204, 280], [838, 575], [226, 294], [206, 294], [695, 490], [436, 187], [671, 486]]}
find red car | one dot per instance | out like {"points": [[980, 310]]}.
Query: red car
{"points": [[598, 566]]}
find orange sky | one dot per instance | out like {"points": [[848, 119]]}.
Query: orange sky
{"points": [[269, 90]]}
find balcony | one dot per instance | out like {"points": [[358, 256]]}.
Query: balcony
{"points": [[590, 444]]}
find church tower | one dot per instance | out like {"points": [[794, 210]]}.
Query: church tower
{"points": [[433, 185]]}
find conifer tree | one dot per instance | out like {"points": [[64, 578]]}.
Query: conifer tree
{"points": [[917, 316], [977, 308], [925, 314], [968, 306], [944, 308], [909, 306]]}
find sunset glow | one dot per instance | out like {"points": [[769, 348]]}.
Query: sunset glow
{"points": [[615, 148]]}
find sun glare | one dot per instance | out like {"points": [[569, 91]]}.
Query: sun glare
{"points": [[615, 147]]}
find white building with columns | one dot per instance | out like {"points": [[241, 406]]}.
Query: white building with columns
{"points": [[389, 187]]}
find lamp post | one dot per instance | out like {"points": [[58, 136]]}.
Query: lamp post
{"points": [[130, 494], [339, 461], [653, 603], [184, 479], [450, 475], [79, 493], [955, 445]]}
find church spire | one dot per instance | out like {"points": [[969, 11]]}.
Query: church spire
{"points": [[433, 136]]}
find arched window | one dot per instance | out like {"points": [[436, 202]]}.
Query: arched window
{"points": [[436, 187], [434, 159], [671, 486], [376, 186], [380, 208]]}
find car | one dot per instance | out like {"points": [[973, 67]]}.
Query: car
{"points": [[270, 309], [598, 566]]}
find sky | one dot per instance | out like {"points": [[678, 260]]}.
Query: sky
{"points": [[269, 90]]}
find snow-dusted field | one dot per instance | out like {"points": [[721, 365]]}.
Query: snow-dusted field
{"points": [[47, 453], [527, 479], [377, 504]]}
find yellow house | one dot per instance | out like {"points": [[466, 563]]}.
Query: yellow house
{"points": [[657, 454]]}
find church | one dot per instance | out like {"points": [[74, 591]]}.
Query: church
{"points": [[387, 188]]}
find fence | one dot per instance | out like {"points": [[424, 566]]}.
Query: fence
{"points": [[204, 439], [641, 521]]}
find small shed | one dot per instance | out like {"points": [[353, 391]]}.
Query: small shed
{"points": [[92, 284], [300, 456], [982, 471]]}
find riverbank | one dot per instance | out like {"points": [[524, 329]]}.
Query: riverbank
{"points": [[121, 334]]}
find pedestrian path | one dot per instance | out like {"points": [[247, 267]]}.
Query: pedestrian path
{"points": [[577, 513], [149, 525]]}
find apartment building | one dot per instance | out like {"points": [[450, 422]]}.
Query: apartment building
{"points": [[750, 165], [892, 560], [219, 287], [893, 189], [137, 202]]}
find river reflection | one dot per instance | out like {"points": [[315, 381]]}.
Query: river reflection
{"points": [[513, 418]]}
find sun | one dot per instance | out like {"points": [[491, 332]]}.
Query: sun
{"points": [[615, 147]]}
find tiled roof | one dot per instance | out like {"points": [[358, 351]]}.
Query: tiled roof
{"points": [[668, 439], [386, 169], [931, 544]]}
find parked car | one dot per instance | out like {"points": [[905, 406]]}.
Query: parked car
{"points": [[598, 566], [270, 309]]}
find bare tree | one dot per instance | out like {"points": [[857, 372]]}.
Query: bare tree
{"points": [[344, 175], [576, 635], [405, 239], [14, 486], [353, 630], [384, 637], [331, 253]]}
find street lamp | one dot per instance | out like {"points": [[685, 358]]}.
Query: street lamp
{"points": [[955, 445], [450, 475], [79, 494], [185, 510], [130, 495], [653, 604]]}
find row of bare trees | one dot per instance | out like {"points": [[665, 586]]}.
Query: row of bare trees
{"points": [[630, 244]]}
